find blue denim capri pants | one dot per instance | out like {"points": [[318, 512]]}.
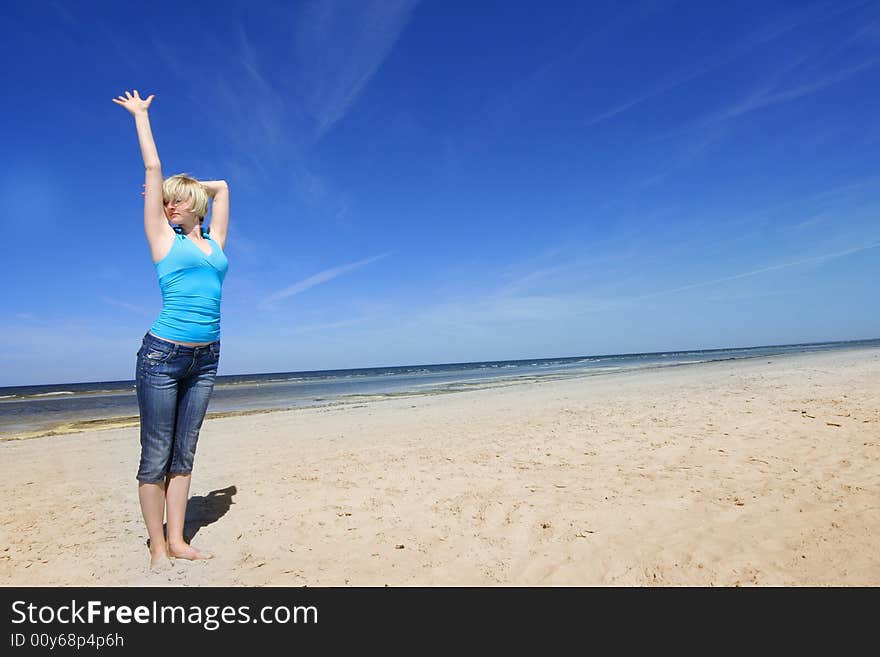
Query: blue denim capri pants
{"points": [[174, 385]]}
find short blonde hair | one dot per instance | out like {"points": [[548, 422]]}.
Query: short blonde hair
{"points": [[182, 187]]}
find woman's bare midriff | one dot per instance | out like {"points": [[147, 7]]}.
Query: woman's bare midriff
{"points": [[185, 344]]}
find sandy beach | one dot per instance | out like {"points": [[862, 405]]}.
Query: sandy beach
{"points": [[755, 472]]}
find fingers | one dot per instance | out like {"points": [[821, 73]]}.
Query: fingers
{"points": [[135, 96]]}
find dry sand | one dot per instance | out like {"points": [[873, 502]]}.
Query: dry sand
{"points": [[755, 472]]}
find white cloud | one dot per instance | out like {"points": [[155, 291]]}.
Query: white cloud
{"points": [[322, 277], [340, 47], [761, 270], [140, 310]]}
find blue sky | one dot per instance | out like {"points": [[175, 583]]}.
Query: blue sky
{"points": [[423, 182]]}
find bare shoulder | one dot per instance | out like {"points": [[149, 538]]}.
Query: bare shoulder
{"points": [[161, 243]]}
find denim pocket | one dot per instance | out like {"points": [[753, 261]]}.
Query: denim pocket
{"points": [[156, 355], [155, 352]]}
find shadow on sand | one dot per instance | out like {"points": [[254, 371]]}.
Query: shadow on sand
{"points": [[202, 510]]}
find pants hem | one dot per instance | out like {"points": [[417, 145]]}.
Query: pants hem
{"points": [[150, 480]]}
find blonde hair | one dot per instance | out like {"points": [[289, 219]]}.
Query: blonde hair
{"points": [[182, 187]]}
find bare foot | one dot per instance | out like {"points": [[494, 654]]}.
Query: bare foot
{"points": [[188, 552], [160, 563]]}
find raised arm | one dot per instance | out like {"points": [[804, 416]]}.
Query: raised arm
{"points": [[218, 190], [156, 227]]}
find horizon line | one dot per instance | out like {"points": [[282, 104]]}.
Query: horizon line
{"points": [[478, 362]]}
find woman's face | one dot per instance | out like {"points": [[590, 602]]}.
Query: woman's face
{"points": [[179, 212]]}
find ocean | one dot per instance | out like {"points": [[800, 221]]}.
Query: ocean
{"points": [[43, 409]]}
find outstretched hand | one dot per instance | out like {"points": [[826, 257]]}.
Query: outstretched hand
{"points": [[134, 103]]}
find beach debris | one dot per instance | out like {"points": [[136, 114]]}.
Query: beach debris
{"points": [[545, 525], [805, 414], [738, 501], [583, 534], [832, 424], [399, 546]]}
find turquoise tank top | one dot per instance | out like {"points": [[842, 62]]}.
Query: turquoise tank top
{"points": [[191, 283]]}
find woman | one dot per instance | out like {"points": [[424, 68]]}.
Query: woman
{"points": [[177, 362]]}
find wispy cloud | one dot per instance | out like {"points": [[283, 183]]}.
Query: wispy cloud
{"points": [[335, 49], [322, 277], [509, 305], [572, 272], [273, 101], [493, 315], [340, 47], [127, 306], [65, 15], [168, 57], [868, 33], [765, 99], [30, 317], [860, 190], [502, 110], [811, 221], [329, 326], [750, 295], [689, 152], [761, 270], [82, 31], [760, 37]]}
